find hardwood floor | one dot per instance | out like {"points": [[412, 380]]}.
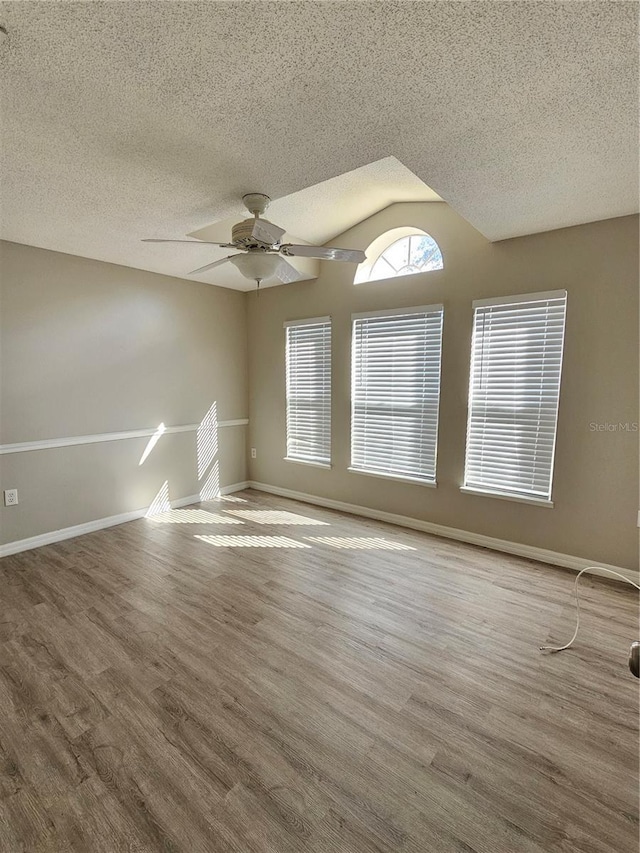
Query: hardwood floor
{"points": [[353, 687]]}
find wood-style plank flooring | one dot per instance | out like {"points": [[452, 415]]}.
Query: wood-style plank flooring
{"points": [[258, 675]]}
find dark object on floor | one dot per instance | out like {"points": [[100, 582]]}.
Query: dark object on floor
{"points": [[634, 659]]}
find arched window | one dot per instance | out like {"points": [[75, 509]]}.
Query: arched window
{"points": [[402, 251]]}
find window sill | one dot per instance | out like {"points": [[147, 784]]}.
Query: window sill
{"points": [[307, 462], [505, 496], [398, 477]]}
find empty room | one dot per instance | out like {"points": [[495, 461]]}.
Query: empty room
{"points": [[319, 404]]}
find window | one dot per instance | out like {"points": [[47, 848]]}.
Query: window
{"points": [[401, 251], [514, 389], [308, 365], [396, 392]]}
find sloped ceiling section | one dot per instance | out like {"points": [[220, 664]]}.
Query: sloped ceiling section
{"points": [[319, 213], [126, 120]]}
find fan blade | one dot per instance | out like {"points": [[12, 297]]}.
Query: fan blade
{"points": [[266, 231], [193, 242], [211, 266], [287, 273], [325, 253]]}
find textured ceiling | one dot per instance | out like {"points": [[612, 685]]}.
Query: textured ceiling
{"points": [[324, 210], [125, 120]]}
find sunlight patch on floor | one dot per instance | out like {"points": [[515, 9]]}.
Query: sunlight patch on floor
{"points": [[360, 543], [193, 516], [252, 542], [267, 516], [231, 499]]}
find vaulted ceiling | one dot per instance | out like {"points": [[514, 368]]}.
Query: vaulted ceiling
{"points": [[134, 119]]}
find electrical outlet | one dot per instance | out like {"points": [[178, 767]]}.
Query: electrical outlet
{"points": [[10, 497], [253, 453]]}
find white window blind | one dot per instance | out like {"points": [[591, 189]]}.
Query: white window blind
{"points": [[308, 365], [396, 392], [514, 390]]}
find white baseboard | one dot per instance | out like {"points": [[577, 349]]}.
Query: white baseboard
{"points": [[100, 524], [530, 552], [235, 487], [541, 555]]}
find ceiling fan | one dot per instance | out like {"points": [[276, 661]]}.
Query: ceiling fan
{"points": [[259, 239]]}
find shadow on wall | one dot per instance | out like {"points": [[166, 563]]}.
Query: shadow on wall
{"points": [[207, 440], [208, 469], [206, 453], [155, 438], [161, 502], [207, 466]]}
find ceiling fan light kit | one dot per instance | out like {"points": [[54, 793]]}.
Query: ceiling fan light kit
{"points": [[256, 265], [260, 240]]}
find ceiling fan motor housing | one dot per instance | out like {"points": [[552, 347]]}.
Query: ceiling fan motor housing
{"points": [[243, 234]]}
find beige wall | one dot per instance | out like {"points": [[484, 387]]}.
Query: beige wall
{"points": [[89, 347], [596, 475]]}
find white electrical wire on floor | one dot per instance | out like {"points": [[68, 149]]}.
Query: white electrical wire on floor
{"points": [[578, 576]]}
